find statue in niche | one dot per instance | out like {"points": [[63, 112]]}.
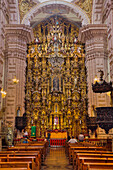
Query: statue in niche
{"points": [[56, 84], [9, 134]]}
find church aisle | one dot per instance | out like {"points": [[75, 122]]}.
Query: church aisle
{"points": [[56, 160]]}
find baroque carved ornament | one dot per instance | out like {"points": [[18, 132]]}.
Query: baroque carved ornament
{"points": [[86, 5]]}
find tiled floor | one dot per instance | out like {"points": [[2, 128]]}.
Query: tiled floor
{"points": [[56, 160]]}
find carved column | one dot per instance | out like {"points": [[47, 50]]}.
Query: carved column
{"points": [[17, 37], [95, 39]]}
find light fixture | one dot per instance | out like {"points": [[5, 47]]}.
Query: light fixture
{"points": [[3, 93], [96, 79], [109, 93], [15, 80]]}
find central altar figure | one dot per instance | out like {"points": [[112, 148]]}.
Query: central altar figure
{"points": [[56, 88], [56, 84]]}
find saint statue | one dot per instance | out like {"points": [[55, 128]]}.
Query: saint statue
{"points": [[56, 84]]}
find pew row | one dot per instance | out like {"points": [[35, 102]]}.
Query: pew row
{"points": [[97, 166], [27, 165]]}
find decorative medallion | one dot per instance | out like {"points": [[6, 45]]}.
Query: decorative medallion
{"points": [[25, 6], [86, 5]]}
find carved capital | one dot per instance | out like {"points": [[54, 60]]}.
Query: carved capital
{"points": [[17, 30], [92, 30]]}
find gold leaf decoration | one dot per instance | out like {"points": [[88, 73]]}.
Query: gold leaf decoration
{"points": [[25, 6], [86, 5]]}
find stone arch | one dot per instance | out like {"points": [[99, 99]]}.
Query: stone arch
{"points": [[76, 10]]}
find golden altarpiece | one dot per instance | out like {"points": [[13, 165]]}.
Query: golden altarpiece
{"points": [[56, 88]]}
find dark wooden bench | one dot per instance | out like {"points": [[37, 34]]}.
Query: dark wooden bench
{"points": [[23, 156], [13, 169], [86, 159], [91, 154], [16, 165], [31, 159], [73, 148], [97, 166]]}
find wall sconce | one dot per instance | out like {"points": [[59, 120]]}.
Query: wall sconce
{"points": [[15, 80], [96, 79], [109, 93], [3, 93]]}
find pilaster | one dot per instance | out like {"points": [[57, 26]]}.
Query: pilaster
{"points": [[108, 19], [17, 37], [95, 39], [4, 13]]}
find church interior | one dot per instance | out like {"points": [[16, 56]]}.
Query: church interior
{"points": [[56, 74]]}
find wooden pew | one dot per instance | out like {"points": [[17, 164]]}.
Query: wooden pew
{"points": [[37, 155], [21, 159], [78, 144], [26, 152], [16, 165], [42, 143], [24, 155], [68, 145], [97, 166], [40, 148], [90, 154], [73, 148], [86, 159], [13, 169], [29, 148]]}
